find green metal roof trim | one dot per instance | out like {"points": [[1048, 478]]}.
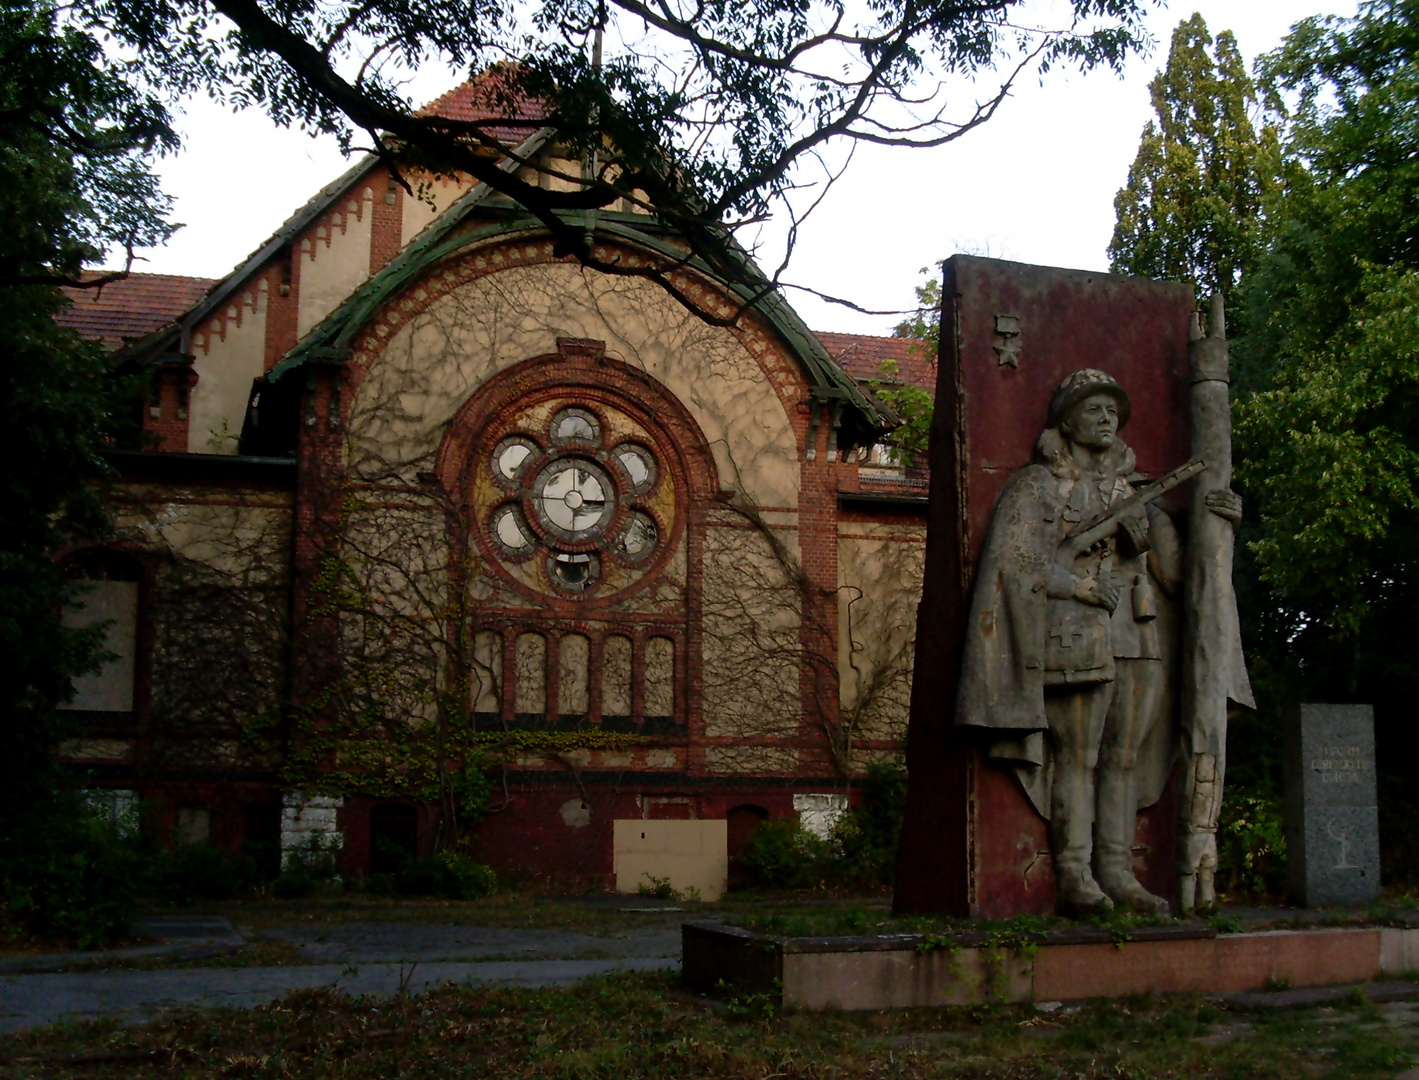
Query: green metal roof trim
{"points": [[332, 339]]}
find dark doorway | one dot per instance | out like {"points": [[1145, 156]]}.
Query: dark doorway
{"points": [[394, 837], [261, 837], [743, 821]]}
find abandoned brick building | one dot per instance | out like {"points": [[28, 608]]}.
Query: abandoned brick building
{"points": [[417, 492]]}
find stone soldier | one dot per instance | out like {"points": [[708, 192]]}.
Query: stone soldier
{"points": [[1065, 655]]}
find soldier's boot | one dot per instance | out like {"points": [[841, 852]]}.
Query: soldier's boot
{"points": [[1071, 833], [1114, 829]]}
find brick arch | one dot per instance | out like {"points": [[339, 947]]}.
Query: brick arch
{"points": [[534, 248], [581, 368]]}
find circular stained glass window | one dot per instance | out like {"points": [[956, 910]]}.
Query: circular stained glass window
{"points": [[574, 499], [637, 540], [575, 425], [511, 531], [511, 459], [639, 466], [574, 572]]}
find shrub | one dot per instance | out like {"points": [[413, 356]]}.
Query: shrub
{"points": [[309, 868], [450, 874], [780, 855], [868, 835], [192, 872], [76, 882], [860, 853], [1251, 841]]}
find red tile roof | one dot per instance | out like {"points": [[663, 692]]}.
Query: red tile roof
{"points": [[132, 307], [489, 98], [861, 356]]}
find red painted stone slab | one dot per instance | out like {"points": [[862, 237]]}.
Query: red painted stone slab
{"points": [[972, 843], [1220, 965]]}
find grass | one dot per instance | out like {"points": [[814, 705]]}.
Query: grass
{"points": [[647, 1026]]}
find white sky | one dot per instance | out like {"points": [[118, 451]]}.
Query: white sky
{"points": [[1035, 184]]}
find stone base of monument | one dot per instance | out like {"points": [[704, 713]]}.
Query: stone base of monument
{"points": [[904, 971]]}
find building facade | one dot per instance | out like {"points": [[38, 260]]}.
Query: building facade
{"points": [[423, 498]]}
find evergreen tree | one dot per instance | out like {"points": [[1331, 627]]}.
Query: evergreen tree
{"points": [[1200, 181]]}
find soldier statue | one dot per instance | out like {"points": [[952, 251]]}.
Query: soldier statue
{"points": [[1072, 649]]}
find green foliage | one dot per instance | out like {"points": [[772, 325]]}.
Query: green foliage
{"points": [[1251, 843], [910, 402], [657, 887], [1332, 451], [74, 136], [860, 853], [868, 835], [188, 873], [309, 868], [73, 880], [1199, 186], [924, 324], [449, 874]]}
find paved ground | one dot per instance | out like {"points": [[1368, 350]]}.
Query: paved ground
{"points": [[375, 959], [36, 1000], [356, 943]]}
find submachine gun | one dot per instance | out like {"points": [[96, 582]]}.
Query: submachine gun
{"points": [[1086, 534]]}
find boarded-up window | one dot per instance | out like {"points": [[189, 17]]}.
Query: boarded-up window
{"points": [[659, 678], [486, 690], [193, 826], [531, 674], [573, 671], [106, 591], [616, 678]]}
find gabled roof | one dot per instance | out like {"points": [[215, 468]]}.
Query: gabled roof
{"points": [[489, 99], [332, 339], [467, 101], [131, 308]]}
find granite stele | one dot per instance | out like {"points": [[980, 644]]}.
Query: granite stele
{"points": [[1332, 816]]}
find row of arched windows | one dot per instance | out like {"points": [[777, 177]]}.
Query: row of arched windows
{"points": [[613, 679]]}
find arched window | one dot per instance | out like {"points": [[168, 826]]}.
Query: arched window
{"points": [[531, 676], [659, 684], [573, 677], [616, 683]]}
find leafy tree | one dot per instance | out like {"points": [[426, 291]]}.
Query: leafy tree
{"points": [[912, 404], [74, 136], [1327, 383], [707, 114], [1199, 185], [1330, 429]]}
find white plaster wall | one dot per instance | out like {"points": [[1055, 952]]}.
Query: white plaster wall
{"points": [[230, 351], [334, 259], [880, 569], [432, 196]]}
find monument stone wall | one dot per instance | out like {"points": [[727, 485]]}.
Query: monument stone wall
{"points": [[972, 843]]}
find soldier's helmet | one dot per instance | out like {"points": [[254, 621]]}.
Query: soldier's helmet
{"points": [[1082, 384]]}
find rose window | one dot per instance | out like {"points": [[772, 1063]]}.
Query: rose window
{"points": [[576, 501]]}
